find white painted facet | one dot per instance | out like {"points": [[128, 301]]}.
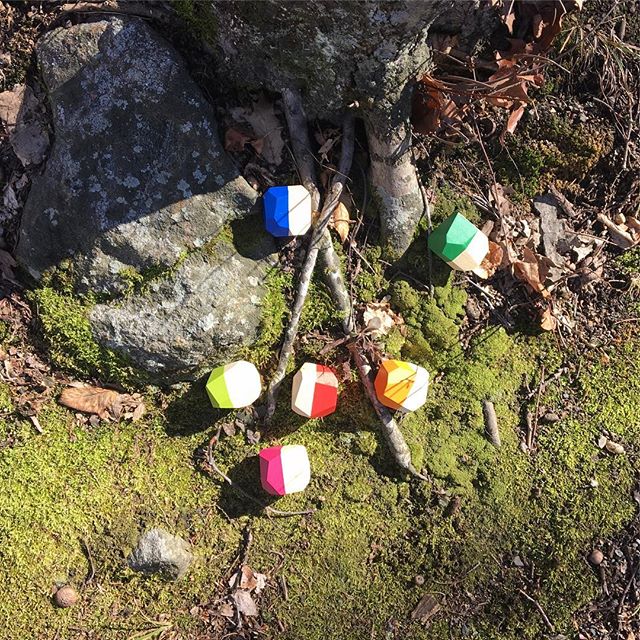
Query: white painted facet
{"points": [[299, 210], [243, 383], [471, 258], [296, 470], [418, 394], [303, 388]]}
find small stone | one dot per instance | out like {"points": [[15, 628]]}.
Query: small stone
{"points": [[419, 580], [65, 597], [596, 557], [517, 562], [614, 447], [160, 552], [550, 417]]}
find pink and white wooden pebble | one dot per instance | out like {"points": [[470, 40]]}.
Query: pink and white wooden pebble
{"points": [[284, 469]]}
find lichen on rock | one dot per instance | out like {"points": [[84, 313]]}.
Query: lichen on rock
{"points": [[130, 199]]}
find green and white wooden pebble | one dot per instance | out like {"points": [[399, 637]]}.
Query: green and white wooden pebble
{"points": [[459, 243]]}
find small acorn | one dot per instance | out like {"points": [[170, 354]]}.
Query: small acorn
{"points": [[65, 597], [596, 557], [419, 580]]}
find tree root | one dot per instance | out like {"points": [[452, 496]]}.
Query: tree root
{"points": [[393, 175]]}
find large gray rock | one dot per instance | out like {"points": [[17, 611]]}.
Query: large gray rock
{"points": [[137, 175], [160, 552], [200, 315], [138, 186]]}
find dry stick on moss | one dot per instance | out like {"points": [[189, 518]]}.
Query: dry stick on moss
{"points": [[392, 434], [270, 511], [320, 226], [538, 606]]}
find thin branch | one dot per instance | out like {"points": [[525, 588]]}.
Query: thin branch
{"points": [[395, 440], [538, 606], [299, 137]]}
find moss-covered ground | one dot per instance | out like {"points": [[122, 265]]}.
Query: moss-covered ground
{"points": [[491, 522]]}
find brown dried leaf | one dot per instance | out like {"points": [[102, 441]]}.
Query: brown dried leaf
{"points": [[340, 221], [380, 318], [138, 412], [266, 126], [247, 579], [547, 320], [235, 140], [89, 399], [245, 603], [514, 118], [491, 261], [529, 270]]}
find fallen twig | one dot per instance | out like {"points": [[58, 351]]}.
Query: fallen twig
{"points": [[92, 570], [295, 118], [623, 239], [271, 511], [395, 440], [538, 606]]}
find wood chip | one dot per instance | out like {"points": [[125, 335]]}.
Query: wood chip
{"points": [[491, 422], [426, 609], [36, 424]]}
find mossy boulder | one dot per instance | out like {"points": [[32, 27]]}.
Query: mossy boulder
{"points": [[125, 186], [135, 210]]}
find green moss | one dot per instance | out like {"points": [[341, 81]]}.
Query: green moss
{"points": [[370, 281], [6, 404], [198, 17], [552, 149], [629, 262], [5, 331], [65, 328], [272, 322], [448, 201]]}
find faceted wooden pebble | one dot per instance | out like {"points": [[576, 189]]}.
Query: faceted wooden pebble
{"points": [[459, 243], [315, 391], [234, 385], [401, 385], [287, 211], [284, 469]]}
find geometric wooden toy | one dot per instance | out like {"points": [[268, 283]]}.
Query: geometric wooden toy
{"points": [[459, 243], [234, 385], [401, 385], [284, 469], [287, 211], [315, 391]]}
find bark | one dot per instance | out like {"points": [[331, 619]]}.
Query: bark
{"points": [[362, 56]]}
